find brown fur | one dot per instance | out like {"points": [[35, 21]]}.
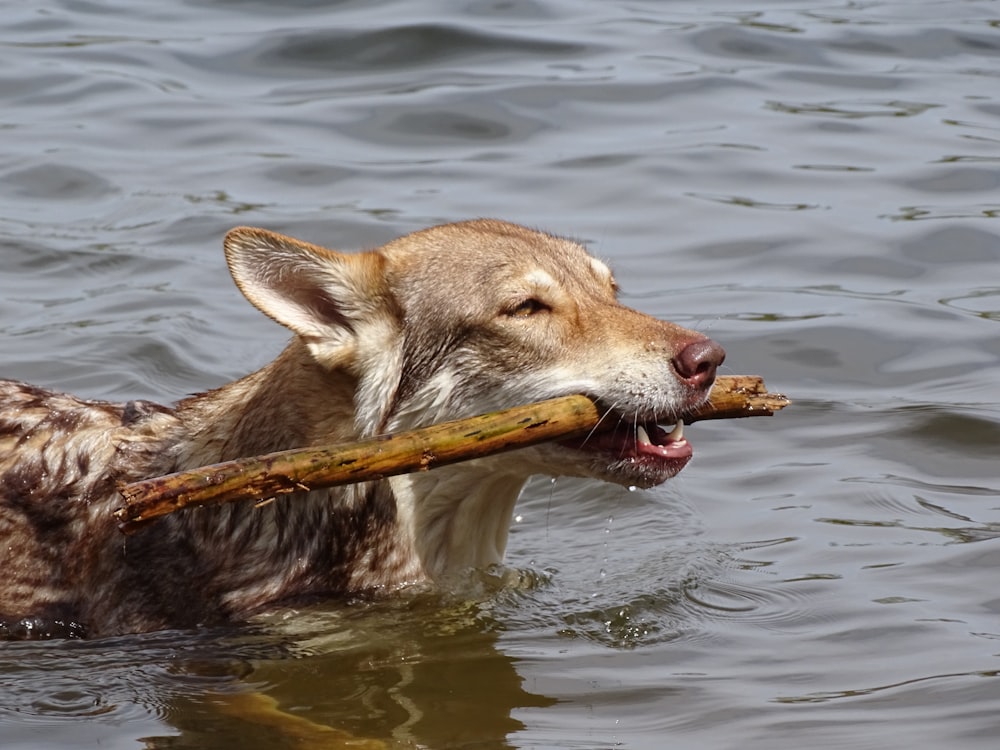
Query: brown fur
{"points": [[443, 323]]}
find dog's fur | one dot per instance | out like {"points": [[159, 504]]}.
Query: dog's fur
{"points": [[444, 323]]}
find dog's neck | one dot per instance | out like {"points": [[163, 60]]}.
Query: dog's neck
{"points": [[290, 403], [449, 520], [458, 516]]}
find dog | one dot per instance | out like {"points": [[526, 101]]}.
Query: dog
{"points": [[444, 323]]}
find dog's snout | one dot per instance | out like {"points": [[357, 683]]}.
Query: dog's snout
{"points": [[697, 362]]}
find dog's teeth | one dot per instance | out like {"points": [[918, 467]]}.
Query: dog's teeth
{"points": [[642, 436], [678, 432]]}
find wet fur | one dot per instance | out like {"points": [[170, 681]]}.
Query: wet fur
{"points": [[447, 322]]}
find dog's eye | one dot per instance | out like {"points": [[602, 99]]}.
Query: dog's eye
{"points": [[525, 308]]}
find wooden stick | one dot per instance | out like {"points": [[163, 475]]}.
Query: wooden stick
{"points": [[735, 396], [265, 477]]}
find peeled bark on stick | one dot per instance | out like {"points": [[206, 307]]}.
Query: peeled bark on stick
{"points": [[298, 470]]}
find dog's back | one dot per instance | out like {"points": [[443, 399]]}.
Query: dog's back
{"points": [[61, 459]]}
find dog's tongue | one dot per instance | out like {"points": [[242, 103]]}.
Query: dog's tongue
{"points": [[643, 441], [661, 443]]}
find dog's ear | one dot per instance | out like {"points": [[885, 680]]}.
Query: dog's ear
{"points": [[322, 295]]}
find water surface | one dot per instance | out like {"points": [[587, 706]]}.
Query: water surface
{"points": [[816, 185]]}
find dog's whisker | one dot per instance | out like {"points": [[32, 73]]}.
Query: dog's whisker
{"points": [[610, 410]]}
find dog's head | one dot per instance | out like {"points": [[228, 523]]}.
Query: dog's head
{"points": [[467, 318]]}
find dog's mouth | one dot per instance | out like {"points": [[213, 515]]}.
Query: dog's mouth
{"points": [[641, 454]]}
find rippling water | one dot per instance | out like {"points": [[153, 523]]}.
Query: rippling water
{"points": [[815, 184]]}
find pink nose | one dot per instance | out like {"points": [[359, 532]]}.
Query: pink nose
{"points": [[696, 363]]}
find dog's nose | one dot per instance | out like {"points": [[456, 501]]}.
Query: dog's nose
{"points": [[696, 363]]}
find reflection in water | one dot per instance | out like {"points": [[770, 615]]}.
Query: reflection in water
{"points": [[416, 671], [409, 672]]}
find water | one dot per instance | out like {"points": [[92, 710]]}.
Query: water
{"points": [[814, 184]]}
